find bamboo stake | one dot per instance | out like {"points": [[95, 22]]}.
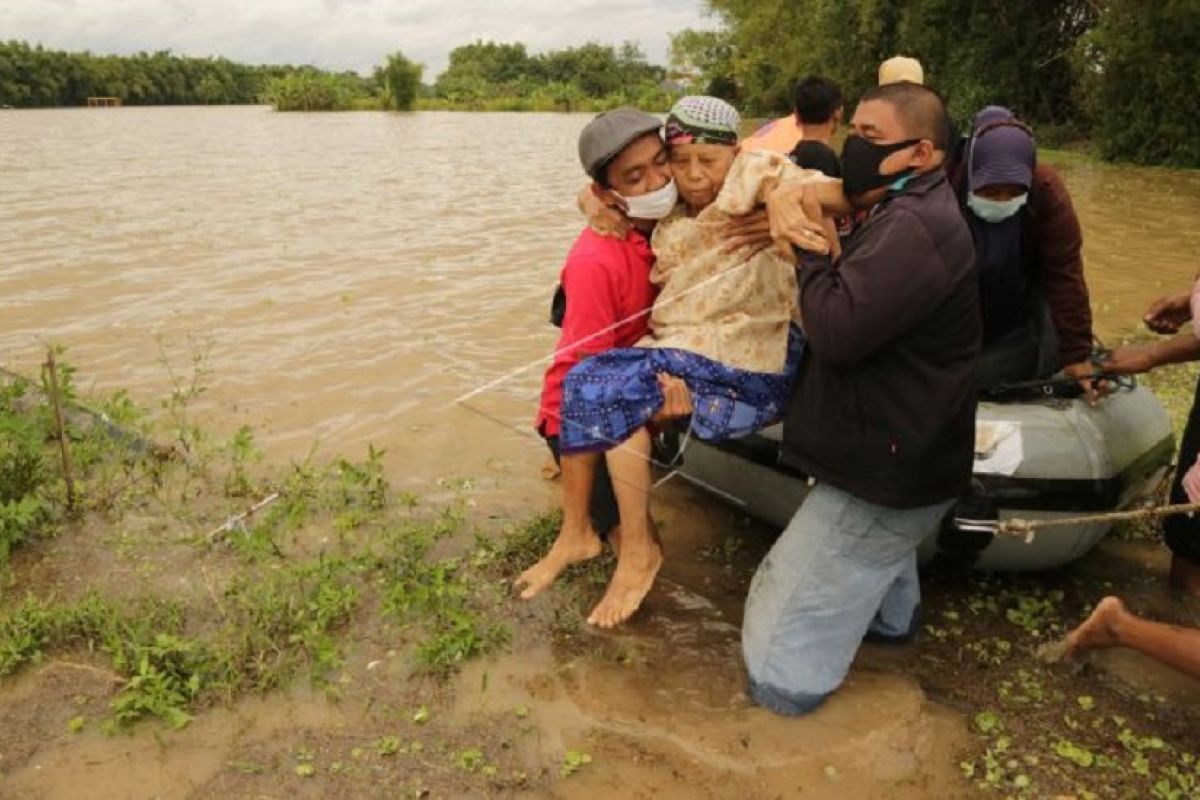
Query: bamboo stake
{"points": [[237, 519], [61, 429]]}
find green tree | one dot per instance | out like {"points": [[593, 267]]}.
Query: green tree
{"points": [[311, 90], [975, 52], [703, 61], [400, 80], [1140, 71], [484, 69]]}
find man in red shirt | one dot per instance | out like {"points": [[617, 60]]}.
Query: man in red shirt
{"points": [[606, 283]]}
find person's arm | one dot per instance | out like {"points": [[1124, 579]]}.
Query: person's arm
{"points": [[1058, 244], [829, 195], [752, 181], [1133, 359], [878, 292], [604, 211]]}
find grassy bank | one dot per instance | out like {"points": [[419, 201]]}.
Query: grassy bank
{"points": [[158, 583]]}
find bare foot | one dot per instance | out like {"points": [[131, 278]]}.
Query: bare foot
{"points": [[1099, 630], [1185, 576], [631, 582], [567, 549]]}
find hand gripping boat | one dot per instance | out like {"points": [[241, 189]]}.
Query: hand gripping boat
{"points": [[1034, 459]]}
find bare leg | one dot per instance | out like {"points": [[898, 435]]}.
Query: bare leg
{"points": [[1185, 576], [640, 555], [576, 541], [1112, 625]]}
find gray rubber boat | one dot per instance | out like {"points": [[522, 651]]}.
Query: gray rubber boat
{"points": [[1034, 459]]}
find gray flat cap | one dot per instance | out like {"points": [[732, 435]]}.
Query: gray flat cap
{"points": [[609, 132]]}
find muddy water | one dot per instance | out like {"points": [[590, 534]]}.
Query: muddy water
{"points": [[350, 275], [345, 278]]}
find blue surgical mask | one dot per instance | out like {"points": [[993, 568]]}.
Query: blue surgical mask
{"points": [[994, 211], [653, 205]]}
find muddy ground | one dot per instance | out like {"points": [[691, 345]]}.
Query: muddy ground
{"points": [[430, 680]]}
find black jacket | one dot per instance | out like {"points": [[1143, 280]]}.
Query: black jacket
{"points": [[884, 406]]}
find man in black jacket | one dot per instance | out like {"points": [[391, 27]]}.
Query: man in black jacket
{"points": [[883, 415]]}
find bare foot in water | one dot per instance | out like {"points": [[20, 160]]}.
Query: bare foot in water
{"points": [[567, 549], [1099, 630], [635, 574]]}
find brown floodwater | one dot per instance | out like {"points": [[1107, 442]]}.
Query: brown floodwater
{"points": [[344, 278], [350, 275]]}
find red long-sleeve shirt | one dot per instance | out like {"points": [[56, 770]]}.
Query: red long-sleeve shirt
{"points": [[609, 294]]}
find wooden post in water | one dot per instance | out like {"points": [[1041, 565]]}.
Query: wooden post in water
{"points": [[61, 429]]}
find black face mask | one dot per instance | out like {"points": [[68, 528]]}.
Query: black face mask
{"points": [[860, 164]]}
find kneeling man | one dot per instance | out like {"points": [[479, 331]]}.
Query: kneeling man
{"points": [[883, 414]]}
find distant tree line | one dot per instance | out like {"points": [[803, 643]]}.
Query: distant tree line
{"points": [[480, 76], [1124, 73], [32, 77]]}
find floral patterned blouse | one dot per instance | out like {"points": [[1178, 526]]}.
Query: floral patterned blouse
{"points": [[727, 307]]}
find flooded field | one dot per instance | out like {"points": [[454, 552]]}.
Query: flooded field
{"points": [[341, 279]]}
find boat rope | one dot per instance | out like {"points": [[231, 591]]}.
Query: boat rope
{"points": [[1027, 528], [492, 384]]}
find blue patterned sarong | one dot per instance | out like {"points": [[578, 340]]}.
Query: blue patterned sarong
{"points": [[610, 395]]}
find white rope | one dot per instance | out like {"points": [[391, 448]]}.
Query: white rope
{"points": [[579, 343]]}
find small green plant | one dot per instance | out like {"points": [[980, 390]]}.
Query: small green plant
{"points": [[470, 759], [241, 453], [573, 761], [387, 745]]}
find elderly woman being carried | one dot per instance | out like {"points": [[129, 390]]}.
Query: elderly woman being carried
{"points": [[725, 324]]}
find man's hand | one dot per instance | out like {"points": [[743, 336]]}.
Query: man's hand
{"points": [[751, 230], [605, 211], [1132, 359], [1085, 374], [1168, 314], [677, 400], [795, 216]]}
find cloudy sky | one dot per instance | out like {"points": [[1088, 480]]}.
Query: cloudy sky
{"points": [[342, 34]]}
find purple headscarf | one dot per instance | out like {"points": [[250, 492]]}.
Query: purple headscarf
{"points": [[1002, 150]]}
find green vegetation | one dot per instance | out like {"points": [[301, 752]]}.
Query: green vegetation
{"points": [[1120, 71], [33, 77], [491, 76], [312, 90], [483, 76], [400, 80], [1140, 81], [288, 583]]}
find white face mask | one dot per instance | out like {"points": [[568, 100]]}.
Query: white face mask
{"points": [[994, 211], [655, 205]]}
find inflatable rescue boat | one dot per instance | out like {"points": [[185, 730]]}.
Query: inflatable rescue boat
{"points": [[1034, 459]]}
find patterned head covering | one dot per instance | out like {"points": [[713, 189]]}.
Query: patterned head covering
{"points": [[698, 119]]}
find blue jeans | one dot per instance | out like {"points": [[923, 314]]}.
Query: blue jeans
{"points": [[843, 567]]}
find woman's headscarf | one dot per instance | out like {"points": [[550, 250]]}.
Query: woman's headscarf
{"points": [[698, 119]]}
